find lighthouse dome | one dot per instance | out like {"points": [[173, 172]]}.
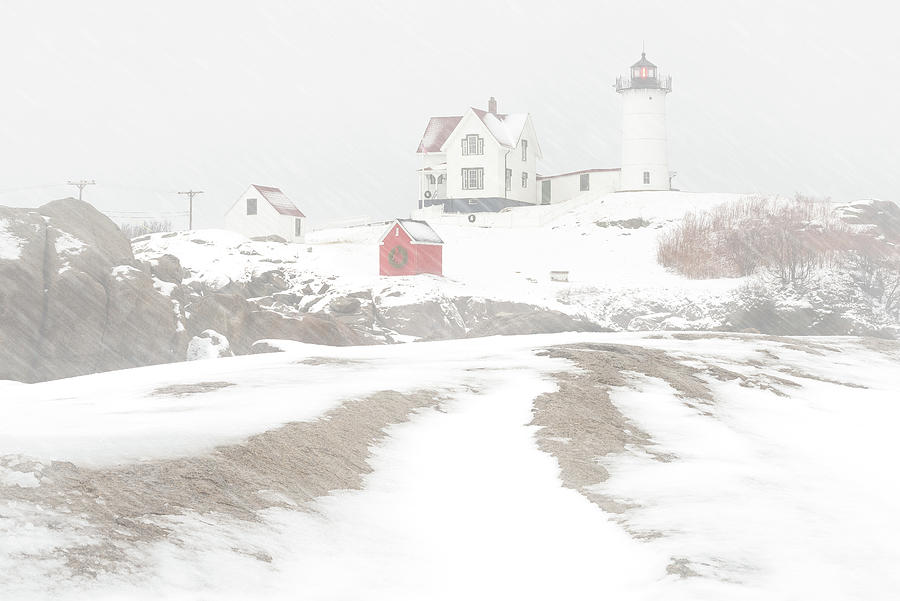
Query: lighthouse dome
{"points": [[643, 62]]}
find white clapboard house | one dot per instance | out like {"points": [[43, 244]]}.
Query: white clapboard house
{"points": [[266, 211], [479, 161]]}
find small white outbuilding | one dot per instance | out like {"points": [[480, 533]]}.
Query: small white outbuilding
{"points": [[266, 211]]}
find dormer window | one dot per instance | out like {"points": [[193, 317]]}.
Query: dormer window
{"points": [[472, 144]]}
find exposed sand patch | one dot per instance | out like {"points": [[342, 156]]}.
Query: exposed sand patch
{"points": [[285, 467], [180, 390], [580, 424]]}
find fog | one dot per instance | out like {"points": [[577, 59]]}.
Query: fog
{"points": [[328, 100]]}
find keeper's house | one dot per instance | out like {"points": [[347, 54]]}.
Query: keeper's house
{"points": [[264, 211], [410, 247], [479, 161]]}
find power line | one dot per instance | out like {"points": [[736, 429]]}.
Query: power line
{"points": [[191, 194], [80, 185]]}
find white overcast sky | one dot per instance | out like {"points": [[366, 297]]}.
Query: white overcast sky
{"points": [[328, 100]]}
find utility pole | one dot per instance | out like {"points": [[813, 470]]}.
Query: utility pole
{"points": [[191, 194], [81, 184]]}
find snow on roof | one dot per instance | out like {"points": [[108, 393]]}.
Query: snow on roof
{"points": [[279, 201], [507, 129], [541, 177], [438, 167], [437, 132], [419, 231]]}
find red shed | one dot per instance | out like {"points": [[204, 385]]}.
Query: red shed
{"points": [[410, 247]]}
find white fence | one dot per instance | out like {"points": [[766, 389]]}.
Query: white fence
{"points": [[535, 216]]}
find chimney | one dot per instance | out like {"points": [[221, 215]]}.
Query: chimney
{"points": [[492, 105]]}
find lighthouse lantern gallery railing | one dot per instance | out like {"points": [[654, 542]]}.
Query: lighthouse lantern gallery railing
{"points": [[656, 83]]}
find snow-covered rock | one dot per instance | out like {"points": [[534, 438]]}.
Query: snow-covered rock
{"points": [[208, 345]]}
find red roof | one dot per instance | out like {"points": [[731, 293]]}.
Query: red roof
{"points": [[506, 129], [578, 172], [279, 201], [437, 132]]}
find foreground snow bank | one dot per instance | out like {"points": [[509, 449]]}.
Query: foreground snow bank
{"points": [[776, 483]]}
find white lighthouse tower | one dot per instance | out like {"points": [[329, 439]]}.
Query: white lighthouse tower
{"points": [[645, 162]]}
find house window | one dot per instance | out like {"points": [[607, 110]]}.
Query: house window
{"points": [[298, 227], [442, 178], [430, 178], [524, 150], [508, 180], [646, 177], [472, 144], [251, 206], [473, 179], [524, 180], [585, 183]]}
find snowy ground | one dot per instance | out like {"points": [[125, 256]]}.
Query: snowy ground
{"points": [[776, 482], [612, 264]]}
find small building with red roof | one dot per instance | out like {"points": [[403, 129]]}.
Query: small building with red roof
{"points": [[263, 211], [410, 247]]}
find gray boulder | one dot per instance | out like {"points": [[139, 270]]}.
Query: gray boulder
{"points": [[74, 299]]}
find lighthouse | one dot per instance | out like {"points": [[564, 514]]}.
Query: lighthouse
{"points": [[645, 163]]}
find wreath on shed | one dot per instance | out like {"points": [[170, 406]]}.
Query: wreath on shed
{"points": [[398, 257]]}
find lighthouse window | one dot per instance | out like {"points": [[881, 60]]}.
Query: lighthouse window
{"points": [[646, 177]]}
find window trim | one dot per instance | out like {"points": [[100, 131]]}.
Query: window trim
{"points": [[524, 150], [470, 140], [472, 178]]}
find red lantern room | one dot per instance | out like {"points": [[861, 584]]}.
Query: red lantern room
{"points": [[644, 75], [643, 70]]}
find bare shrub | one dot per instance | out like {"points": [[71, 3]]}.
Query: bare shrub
{"points": [[878, 275], [134, 230], [787, 239]]}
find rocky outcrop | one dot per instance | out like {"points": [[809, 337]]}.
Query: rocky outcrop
{"points": [[243, 323], [74, 300]]}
